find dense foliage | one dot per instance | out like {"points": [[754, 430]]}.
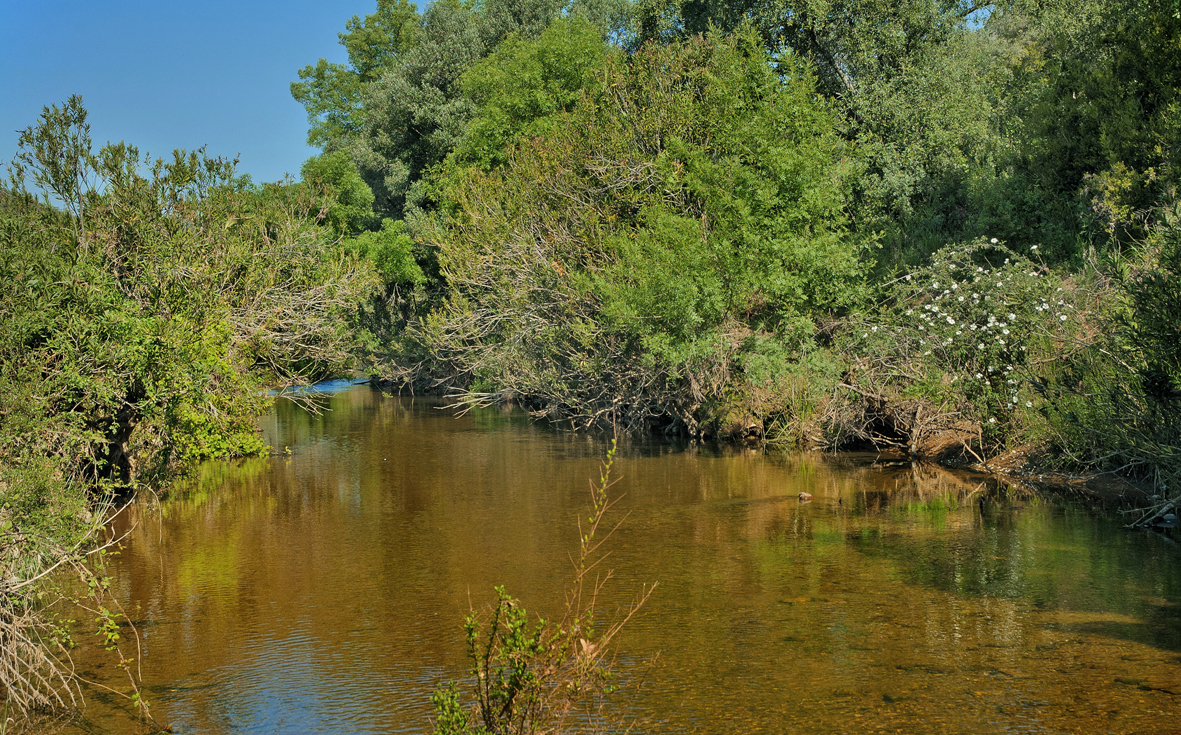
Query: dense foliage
{"points": [[619, 264], [400, 105], [687, 214], [941, 226], [164, 300], [145, 316]]}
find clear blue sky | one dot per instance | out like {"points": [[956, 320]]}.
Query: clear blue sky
{"points": [[164, 75]]}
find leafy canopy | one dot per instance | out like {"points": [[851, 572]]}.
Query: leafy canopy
{"points": [[156, 307], [693, 194]]}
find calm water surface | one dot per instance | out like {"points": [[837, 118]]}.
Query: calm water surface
{"points": [[323, 590]]}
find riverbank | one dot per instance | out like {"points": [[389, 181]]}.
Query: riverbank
{"points": [[1128, 501], [951, 233]]}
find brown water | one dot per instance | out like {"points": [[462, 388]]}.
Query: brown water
{"points": [[323, 591]]}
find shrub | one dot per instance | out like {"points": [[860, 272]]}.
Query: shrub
{"points": [[971, 334], [534, 676], [1118, 407], [614, 268]]}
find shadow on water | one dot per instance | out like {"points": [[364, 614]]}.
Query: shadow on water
{"points": [[322, 589], [1012, 544]]}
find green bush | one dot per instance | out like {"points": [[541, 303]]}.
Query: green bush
{"points": [[615, 266], [973, 333], [350, 208], [1118, 406], [391, 250]]}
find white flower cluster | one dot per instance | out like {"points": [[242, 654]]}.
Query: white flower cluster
{"points": [[976, 321]]}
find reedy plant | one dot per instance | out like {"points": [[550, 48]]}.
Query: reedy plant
{"points": [[537, 676], [44, 581]]}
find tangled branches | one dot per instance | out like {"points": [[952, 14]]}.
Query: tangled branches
{"points": [[614, 268], [32, 674], [40, 582]]}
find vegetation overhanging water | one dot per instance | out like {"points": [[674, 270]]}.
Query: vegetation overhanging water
{"points": [[949, 229]]}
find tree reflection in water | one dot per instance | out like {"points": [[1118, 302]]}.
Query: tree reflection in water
{"points": [[323, 591]]}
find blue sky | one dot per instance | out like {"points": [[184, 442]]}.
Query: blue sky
{"points": [[164, 75]]}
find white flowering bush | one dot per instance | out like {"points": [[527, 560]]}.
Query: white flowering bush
{"points": [[973, 328]]}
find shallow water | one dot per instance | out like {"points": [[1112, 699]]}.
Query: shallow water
{"points": [[323, 590]]}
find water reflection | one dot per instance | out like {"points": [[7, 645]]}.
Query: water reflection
{"points": [[322, 590]]}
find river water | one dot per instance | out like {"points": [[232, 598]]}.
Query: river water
{"points": [[323, 590]]}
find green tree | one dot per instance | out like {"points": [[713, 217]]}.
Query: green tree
{"points": [[520, 88], [415, 113], [616, 265], [399, 106], [332, 93], [1102, 111], [351, 210]]}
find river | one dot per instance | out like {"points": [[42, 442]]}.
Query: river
{"points": [[323, 590]]}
